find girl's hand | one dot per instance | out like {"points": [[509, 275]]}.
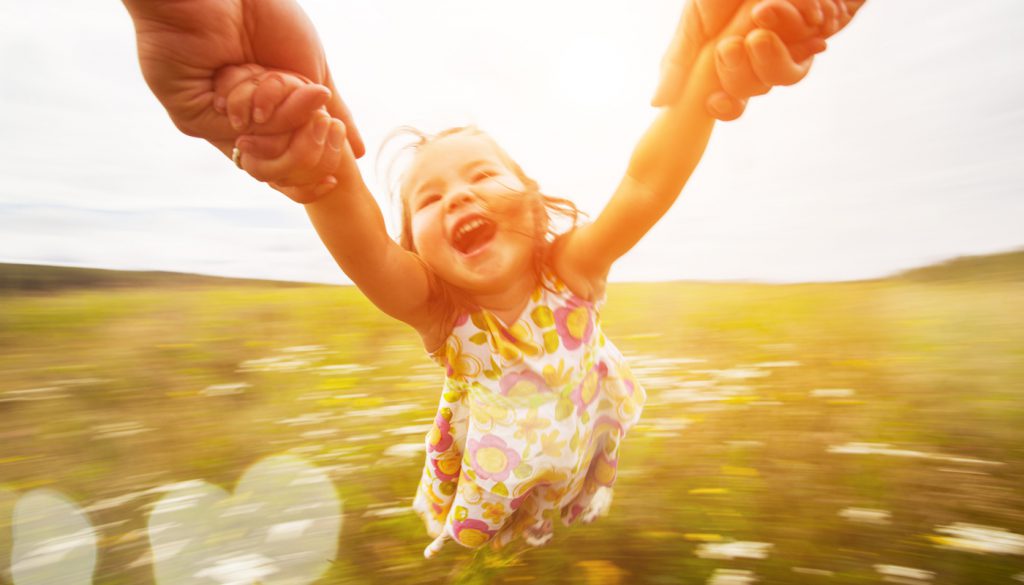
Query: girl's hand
{"points": [[250, 94], [749, 62], [780, 52], [305, 165], [276, 101]]}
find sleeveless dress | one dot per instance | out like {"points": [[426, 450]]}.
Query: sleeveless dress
{"points": [[529, 424]]}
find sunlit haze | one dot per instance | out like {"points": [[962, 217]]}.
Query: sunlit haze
{"points": [[901, 147]]}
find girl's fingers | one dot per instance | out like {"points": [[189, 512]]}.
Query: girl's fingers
{"points": [[811, 10], [239, 104], [804, 50], [735, 71], [332, 153], [271, 91], [320, 180], [784, 19], [771, 60], [227, 79], [295, 110], [831, 22], [303, 153], [725, 107], [314, 160], [264, 145], [232, 92]]}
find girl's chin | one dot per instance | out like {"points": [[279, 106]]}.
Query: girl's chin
{"points": [[493, 276]]}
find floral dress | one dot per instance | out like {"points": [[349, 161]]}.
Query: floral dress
{"points": [[529, 423]]}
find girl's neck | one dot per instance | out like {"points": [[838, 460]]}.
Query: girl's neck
{"points": [[508, 304]]}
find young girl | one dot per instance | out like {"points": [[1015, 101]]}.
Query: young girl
{"points": [[536, 399]]}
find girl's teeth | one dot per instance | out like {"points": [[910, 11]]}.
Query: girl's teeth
{"points": [[472, 225]]}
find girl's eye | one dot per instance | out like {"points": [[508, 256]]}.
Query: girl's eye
{"points": [[428, 200], [482, 176]]}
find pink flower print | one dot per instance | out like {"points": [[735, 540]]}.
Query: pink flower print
{"points": [[524, 383], [440, 436], [491, 458], [446, 466], [574, 323], [587, 390], [472, 532], [516, 502]]}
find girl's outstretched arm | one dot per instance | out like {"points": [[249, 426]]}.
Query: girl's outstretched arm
{"points": [[668, 152], [662, 162], [350, 223]]}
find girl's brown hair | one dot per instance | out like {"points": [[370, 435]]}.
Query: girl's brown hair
{"points": [[547, 209]]}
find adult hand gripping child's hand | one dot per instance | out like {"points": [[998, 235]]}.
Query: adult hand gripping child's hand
{"points": [[779, 52], [304, 163], [182, 45]]}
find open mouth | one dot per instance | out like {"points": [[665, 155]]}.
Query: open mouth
{"points": [[473, 233]]}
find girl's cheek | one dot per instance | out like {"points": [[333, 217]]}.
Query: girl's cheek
{"points": [[425, 226]]}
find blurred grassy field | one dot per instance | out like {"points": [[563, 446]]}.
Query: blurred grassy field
{"points": [[846, 426]]}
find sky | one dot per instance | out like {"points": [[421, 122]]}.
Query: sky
{"points": [[903, 146]]}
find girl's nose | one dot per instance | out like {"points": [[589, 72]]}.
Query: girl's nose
{"points": [[458, 199]]}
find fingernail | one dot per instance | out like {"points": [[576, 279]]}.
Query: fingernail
{"points": [[766, 17], [236, 122], [335, 137], [219, 103], [320, 129], [720, 106], [259, 115], [762, 42], [730, 55]]}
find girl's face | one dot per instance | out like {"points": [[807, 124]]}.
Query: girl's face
{"points": [[471, 221]]}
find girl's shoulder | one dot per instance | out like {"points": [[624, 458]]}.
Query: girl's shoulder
{"points": [[447, 308], [589, 287]]}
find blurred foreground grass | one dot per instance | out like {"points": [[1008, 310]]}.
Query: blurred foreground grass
{"points": [[826, 431]]}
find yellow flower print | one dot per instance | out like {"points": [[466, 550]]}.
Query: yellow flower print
{"points": [[530, 425], [460, 365], [547, 476], [495, 512], [550, 445], [488, 412], [511, 343], [558, 378]]}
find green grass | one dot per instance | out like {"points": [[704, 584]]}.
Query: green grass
{"points": [[726, 447]]}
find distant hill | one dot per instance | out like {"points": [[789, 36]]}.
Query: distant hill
{"points": [[1006, 266], [20, 278]]}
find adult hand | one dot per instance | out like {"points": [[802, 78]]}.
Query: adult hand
{"points": [[778, 52], [183, 43]]}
